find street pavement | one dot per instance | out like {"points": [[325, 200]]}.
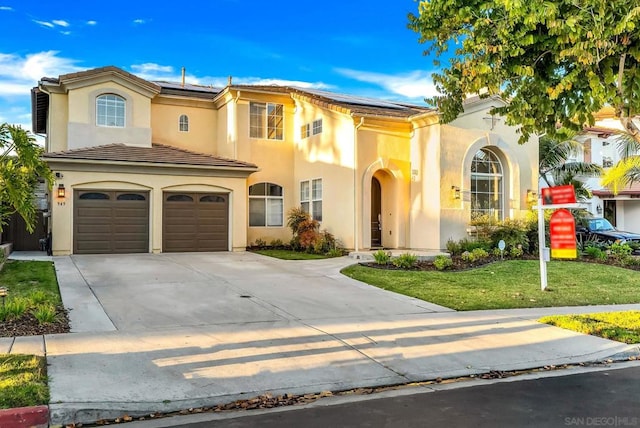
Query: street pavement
{"points": [[164, 332], [606, 397]]}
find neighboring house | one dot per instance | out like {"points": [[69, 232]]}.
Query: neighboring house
{"points": [[158, 167], [599, 146]]}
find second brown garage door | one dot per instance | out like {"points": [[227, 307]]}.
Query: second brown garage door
{"points": [[195, 222]]}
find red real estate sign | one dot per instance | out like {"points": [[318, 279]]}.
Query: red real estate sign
{"points": [[563, 235], [558, 195]]}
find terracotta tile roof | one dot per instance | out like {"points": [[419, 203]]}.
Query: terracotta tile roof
{"points": [[100, 70], [157, 153], [632, 189]]}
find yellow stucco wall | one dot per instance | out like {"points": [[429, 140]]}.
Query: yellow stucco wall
{"points": [[201, 137], [62, 209], [57, 122]]}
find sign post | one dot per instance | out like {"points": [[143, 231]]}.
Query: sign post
{"points": [[562, 228]]}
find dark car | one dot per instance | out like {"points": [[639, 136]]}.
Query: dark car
{"points": [[598, 229]]}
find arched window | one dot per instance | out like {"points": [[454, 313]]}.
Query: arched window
{"points": [[110, 110], [265, 205], [487, 194], [184, 123]]}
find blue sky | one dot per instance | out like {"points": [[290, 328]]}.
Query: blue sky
{"points": [[354, 47]]}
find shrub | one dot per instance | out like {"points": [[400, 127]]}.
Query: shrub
{"points": [[304, 228], [37, 297], [335, 252], [496, 252], [442, 262], [45, 314], [595, 253], [454, 248], [260, 243], [468, 257], [405, 261], [325, 242], [621, 253], [513, 232], [470, 245], [381, 257], [276, 243], [516, 252], [14, 308], [295, 217], [480, 253]]}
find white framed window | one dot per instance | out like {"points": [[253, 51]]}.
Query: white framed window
{"points": [[183, 123], [317, 126], [487, 195], [304, 131], [266, 205], [266, 120], [311, 197], [110, 110]]}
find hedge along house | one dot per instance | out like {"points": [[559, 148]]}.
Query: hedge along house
{"points": [[159, 167]]}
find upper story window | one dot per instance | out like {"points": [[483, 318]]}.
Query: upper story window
{"points": [[266, 205], [110, 110], [266, 120], [317, 126], [304, 131], [184, 123]]}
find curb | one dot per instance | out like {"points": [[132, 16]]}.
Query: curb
{"points": [[31, 417]]}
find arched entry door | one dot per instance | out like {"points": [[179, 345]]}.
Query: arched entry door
{"points": [[376, 213]]}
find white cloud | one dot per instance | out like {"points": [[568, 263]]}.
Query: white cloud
{"points": [[92, 22], [280, 82], [139, 21], [65, 33], [149, 67], [19, 74], [44, 23], [60, 22], [414, 85], [9, 8]]}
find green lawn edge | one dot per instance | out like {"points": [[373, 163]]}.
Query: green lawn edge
{"points": [[23, 381], [621, 326], [290, 254], [510, 284]]}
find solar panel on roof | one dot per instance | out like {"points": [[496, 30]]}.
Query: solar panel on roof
{"points": [[188, 87], [350, 99]]}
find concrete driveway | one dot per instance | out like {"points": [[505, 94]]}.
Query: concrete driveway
{"points": [[164, 332], [159, 291]]}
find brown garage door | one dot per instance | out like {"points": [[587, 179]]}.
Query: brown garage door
{"points": [[195, 222], [110, 222]]}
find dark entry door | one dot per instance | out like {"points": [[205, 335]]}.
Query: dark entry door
{"points": [[376, 213]]}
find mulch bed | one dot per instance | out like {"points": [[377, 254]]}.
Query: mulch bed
{"points": [[28, 325]]}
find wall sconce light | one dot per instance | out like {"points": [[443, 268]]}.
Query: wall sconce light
{"points": [[61, 191], [532, 196], [455, 192], [598, 209]]}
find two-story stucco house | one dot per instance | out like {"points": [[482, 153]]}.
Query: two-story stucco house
{"points": [[147, 166]]}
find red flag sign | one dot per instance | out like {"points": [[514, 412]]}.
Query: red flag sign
{"points": [[563, 235], [558, 195]]}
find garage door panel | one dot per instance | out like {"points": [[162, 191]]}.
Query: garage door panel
{"points": [[108, 222], [199, 222]]}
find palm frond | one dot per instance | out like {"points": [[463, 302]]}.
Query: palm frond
{"points": [[622, 174]]}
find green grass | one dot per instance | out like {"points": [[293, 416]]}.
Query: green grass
{"points": [[23, 381], [30, 284], [621, 326], [31, 279], [290, 255], [510, 284]]}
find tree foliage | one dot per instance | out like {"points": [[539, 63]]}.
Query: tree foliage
{"points": [[20, 169], [556, 61]]}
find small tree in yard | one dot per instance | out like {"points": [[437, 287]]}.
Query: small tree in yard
{"points": [[20, 169], [305, 229]]}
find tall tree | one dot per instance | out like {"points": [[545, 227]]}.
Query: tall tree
{"points": [[20, 170], [556, 61]]}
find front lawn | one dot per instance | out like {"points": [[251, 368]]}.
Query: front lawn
{"points": [[510, 284], [23, 381], [33, 305], [620, 326]]}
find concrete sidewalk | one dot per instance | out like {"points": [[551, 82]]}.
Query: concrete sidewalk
{"points": [[109, 371]]}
